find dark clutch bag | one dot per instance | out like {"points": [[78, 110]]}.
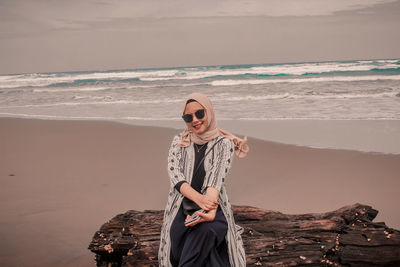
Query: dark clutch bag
{"points": [[189, 207]]}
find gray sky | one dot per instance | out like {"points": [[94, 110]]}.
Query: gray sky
{"points": [[68, 35]]}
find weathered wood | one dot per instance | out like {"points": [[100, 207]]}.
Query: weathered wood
{"points": [[344, 237]]}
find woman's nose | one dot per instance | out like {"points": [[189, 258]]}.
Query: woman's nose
{"points": [[195, 119]]}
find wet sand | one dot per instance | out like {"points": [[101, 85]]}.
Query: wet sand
{"points": [[62, 179]]}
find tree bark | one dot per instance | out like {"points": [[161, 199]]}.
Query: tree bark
{"points": [[344, 237]]}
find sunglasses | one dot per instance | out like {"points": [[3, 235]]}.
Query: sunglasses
{"points": [[189, 116]]}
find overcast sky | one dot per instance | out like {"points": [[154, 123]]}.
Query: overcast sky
{"points": [[73, 35]]}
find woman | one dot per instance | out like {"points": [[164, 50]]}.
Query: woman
{"points": [[214, 238]]}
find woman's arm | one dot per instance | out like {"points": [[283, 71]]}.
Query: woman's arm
{"points": [[212, 194], [219, 170], [208, 216], [206, 202]]}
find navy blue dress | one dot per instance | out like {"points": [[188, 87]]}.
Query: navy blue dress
{"points": [[204, 244]]}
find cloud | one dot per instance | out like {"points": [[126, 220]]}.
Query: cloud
{"points": [[30, 17], [59, 35], [92, 9]]}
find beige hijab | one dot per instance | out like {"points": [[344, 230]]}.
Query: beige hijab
{"points": [[241, 147]]}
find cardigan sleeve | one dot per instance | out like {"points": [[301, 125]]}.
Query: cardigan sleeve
{"points": [[178, 186], [222, 163], [175, 162]]}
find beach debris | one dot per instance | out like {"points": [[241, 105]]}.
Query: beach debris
{"points": [[108, 248], [330, 262], [388, 235], [337, 242]]}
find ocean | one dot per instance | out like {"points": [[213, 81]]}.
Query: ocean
{"points": [[367, 90], [362, 89]]}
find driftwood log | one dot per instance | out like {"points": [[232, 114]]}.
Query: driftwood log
{"points": [[344, 237]]}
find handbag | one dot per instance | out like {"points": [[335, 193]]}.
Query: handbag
{"points": [[189, 206]]}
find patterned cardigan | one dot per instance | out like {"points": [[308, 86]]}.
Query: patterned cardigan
{"points": [[180, 168]]}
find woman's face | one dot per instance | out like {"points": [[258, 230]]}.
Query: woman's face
{"points": [[198, 126]]}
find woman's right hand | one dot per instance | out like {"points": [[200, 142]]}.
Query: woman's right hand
{"points": [[207, 203]]}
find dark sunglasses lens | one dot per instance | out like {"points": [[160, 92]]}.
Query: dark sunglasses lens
{"points": [[187, 117], [199, 114]]}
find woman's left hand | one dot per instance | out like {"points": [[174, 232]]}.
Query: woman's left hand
{"points": [[204, 217], [207, 203]]}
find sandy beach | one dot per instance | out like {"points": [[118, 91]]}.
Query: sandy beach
{"points": [[61, 180]]}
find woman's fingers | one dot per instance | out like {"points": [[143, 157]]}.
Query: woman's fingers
{"points": [[214, 205], [207, 203], [212, 202], [194, 222], [207, 217], [209, 206], [202, 215]]}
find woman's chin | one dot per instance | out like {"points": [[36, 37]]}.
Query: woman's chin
{"points": [[199, 131]]}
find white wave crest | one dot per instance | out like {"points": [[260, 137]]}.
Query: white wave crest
{"points": [[305, 80], [41, 80], [116, 102], [76, 89], [284, 69], [299, 96], [58, 117]]}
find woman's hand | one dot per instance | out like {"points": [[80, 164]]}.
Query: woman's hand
{"points": [[207, 202], [204, 217]]}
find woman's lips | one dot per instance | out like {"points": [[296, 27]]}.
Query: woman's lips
{"points": [[197, 126]]}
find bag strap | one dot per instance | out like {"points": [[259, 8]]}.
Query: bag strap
{"points": [[198, 166]]}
